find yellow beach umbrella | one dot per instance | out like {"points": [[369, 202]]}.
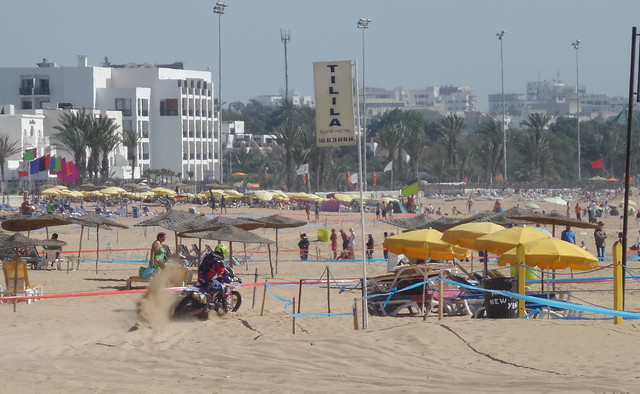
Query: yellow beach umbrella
{"points": [[51, 192], [551, 253], [342, 197], [466, 234], [263, 195], [504, 240], [232, 193], [423, 244]]}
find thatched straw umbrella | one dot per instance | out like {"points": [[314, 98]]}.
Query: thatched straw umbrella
{"points": [[233, 234], [409, 222], [277, 222]]}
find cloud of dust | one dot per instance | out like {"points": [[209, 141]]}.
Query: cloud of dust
{"points": [[157, 304]]}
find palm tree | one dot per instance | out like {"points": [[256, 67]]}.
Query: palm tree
{"points": [[7, 149], [130, 140], [72, 136], [416, 144], [288, 133], [109, 140], [391, 138], [537, 123], [490, 147], [450, 128]]}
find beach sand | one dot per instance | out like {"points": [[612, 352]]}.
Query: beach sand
{"points": [[84, 344]]}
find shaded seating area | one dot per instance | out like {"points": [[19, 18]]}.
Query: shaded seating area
{"points": [[16, 277]]}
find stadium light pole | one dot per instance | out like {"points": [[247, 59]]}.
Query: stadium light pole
{"points": [[285, 37], [219, 9], [504, 108], [576, 46], [363, 23]]}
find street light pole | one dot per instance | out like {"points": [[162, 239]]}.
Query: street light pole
{"points": [[504, 109], [219, 9], [285, 37], [363, 24], [576, 46]]}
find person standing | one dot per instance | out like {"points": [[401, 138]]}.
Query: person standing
{"points": [[223, 204], [390, 209], [599, 237], [303, 244], [578, 211], [469, 205], [385, 252], [334, 243], [317, 210], [307, 210], [370, 244], [213, 204], [345, 240], [568, 235], [379, 210], [158, 254], [352, 244]]}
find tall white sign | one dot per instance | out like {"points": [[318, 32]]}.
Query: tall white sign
{"points": [[334, 104]]}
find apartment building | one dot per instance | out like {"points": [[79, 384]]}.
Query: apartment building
{"points": [[169, 108]]}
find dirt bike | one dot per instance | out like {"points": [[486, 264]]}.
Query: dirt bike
{"points": [[198, 301]]}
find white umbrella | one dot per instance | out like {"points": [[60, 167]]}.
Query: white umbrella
{"points": [[532, 205], [556, 200]]}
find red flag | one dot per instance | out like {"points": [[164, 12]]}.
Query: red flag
{"points": [[47, 162], [348, 178], [597, 163], [375, 178]]}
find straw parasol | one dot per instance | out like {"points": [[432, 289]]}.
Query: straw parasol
{"points": [[552, 218], [19, 222], [17, 240], [410, 222], [172, 220], [277, 222], [232, 234], [97, 221]]}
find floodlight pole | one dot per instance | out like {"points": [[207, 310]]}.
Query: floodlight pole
{"points": [[363, 24], [219, 9], [576, 46], [285, 37], [504, 109]]}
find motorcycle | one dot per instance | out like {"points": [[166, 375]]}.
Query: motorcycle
{"points": [[220, 297]]}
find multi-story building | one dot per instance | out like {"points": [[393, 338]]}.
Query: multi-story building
{"points": [[276, 100], [441, 99], [557, 98], [169, 108]]}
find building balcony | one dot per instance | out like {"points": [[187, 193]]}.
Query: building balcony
{"points": [[26, 91], [42, 91]]}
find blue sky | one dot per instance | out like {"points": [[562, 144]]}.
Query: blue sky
{"points": [[410, 43]]}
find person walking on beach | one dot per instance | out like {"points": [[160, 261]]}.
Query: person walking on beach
{"points": [[317, 210], [379, 210], [390, 209], [334, 243], [599, 237], [578, 211], [345, 240], [213, 204], [370, 244], [469, 205], [307, 210]]}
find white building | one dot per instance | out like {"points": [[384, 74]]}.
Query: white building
{"points": [[171, 109], [276, 100]]}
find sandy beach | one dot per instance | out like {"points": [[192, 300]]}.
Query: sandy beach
{"points": [[84, 344]]}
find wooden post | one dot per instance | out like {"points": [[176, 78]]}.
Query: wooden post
{"points": [[328, 292], [80, 247], [293, 325], [255, 280], [264, 297], [355, 314], [97, 246], [300, 295], [440, 299], [270, 264], [246, 260]]}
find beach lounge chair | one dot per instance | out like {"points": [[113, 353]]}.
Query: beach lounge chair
{"points": [[16, 277], [186, 258]]}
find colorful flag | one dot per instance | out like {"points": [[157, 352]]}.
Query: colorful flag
{"points": [[42, 166], [47, 162], [411, 189], [354, 178], [23, 169], [52, 163], [375, 178], [388, 167], [348, 178], [33, 167], [597, 163], [303, 169], [30, 154], [58, 166]]}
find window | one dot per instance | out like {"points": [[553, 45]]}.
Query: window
{"points": [[127, 125], [124, 105], [144, 129], [169, 107], [26, 104], [144, 104]]}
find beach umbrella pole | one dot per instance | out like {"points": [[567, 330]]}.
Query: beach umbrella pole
{"points": [[97, 246], [277, 253], [270, 264], [80, 247]]}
